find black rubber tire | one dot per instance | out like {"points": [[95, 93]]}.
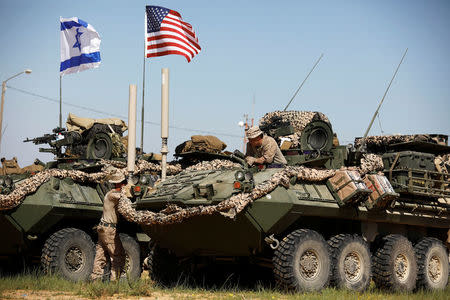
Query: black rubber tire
{"points": [[306, 247], [163, 266], [132, 267], [133, 257], [70, 253], [351, 262], [431, 250], [395, 253]]}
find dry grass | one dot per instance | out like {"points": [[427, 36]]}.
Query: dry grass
{"points": [[33, 285]]}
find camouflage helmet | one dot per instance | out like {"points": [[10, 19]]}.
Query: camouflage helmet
{"points": [[253, 132], [114, 175]]}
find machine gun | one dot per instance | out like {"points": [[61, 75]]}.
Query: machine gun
{"points": [[59, 138], [93, 143], [46, 138]]}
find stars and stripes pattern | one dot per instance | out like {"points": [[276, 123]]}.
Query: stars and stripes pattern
{"points": [[167, 33]]}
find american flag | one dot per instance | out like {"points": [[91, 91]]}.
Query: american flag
{"points": [[167, 33]]}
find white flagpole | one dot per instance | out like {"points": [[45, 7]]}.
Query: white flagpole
{"points": [[143, 85], [60, 101]]}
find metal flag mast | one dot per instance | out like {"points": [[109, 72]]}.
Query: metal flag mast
{"points": [[143, 96], [60, 101], [143, 85]]}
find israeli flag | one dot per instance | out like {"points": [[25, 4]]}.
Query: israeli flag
{"points": [[80, 46]]}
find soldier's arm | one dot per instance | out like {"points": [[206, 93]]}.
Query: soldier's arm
{"points": [[113, 196], [269, 153]]}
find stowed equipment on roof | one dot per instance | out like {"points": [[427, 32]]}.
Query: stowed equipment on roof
{"points": [[201, 148], [86, 138]]}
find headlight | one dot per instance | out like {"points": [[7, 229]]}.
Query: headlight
{"points": [[134, 180], [8, 181], [248, 176], [239, 175], [2, 181], [144, 180], [153, 179]]}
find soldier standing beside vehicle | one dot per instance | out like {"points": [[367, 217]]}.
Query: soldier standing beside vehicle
{"points": [[262, 149], [109, 247]]}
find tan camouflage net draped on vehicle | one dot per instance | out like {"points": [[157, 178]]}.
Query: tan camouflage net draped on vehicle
{"points": [[235, 204], [173, 213], [229, 208], [31, 184], [382, 141], [442, 163], [298, 120]]}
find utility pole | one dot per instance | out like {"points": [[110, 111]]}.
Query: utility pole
{"points": [[27, 71]]}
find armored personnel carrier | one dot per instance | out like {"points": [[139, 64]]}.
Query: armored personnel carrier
{"points": [[339, 215], [54, 224]]}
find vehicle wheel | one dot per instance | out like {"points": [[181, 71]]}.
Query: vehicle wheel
{"points": [[70, 253], [351, 262], [302, 261], [133, 257], [394, 264], [432, 264], [132, 267], [163, 266]]}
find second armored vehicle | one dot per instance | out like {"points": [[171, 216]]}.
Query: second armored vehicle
{"points": [[54, 224], [311, 222]]}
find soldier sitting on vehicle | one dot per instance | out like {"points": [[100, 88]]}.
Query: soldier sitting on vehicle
{"points": [[109, 245], [262, 149]]}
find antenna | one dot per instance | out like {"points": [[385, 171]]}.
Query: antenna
{"points": [[363, 141], [253, 109], [295, 94]]}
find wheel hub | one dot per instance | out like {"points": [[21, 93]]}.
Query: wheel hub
{"points": [[74, 259], [401, 267], [127, 265], [434, 268], [352, 266], [309, 264]]}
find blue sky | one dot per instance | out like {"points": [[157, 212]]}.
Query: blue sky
{"points": [[250, 49]]}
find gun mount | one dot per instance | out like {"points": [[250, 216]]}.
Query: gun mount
{"points": [[101, 141]]}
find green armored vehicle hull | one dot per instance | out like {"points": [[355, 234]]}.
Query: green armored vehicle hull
{"points": [[54, 224], [304, 228]]}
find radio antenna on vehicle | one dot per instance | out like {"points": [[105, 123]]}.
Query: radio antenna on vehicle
{"points": [[295, 94], [363, 141]]}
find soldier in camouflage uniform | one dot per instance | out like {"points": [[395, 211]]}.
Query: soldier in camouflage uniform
{"points": [[109, 247], [262, 149]]}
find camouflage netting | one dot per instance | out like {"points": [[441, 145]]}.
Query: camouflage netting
{"points": [[235, 204], [298, 120], [442, 163], [379, 143], [31, 184], [173, 213], [370, 163], [229, 208], [213, 165]]}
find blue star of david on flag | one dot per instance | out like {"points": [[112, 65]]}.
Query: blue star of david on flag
{"points": [[77, 37], [80, 46]]}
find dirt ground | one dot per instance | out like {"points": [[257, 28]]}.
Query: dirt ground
{"points": [[55, 295]]}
